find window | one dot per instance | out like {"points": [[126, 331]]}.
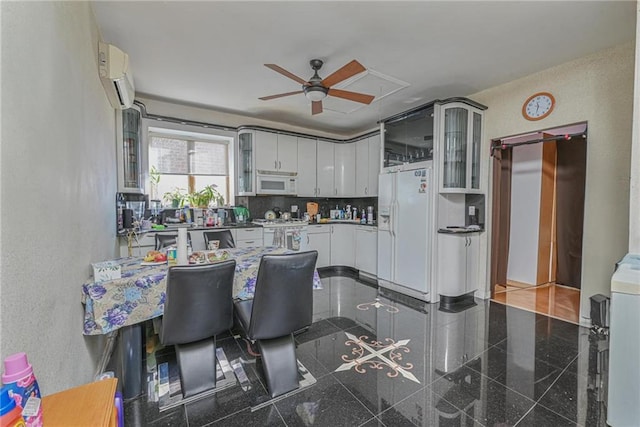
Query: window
{"points": [[188, 162]]}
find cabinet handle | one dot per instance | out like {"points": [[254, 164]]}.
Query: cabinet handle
{"points": [[279, 164], [318, 191], [307, 239], [249, 241], [366, 190], [335, 191], [275, 164]]}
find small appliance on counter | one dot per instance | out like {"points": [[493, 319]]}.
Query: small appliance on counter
{"points": [[312, 209], [129, 207]]}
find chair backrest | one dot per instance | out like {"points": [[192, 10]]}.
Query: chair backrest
{"points": [[224, 236], [283, 299], [199, 302], [163, 240]]}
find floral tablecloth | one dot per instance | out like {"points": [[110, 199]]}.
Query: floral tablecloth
{"points": [[139, 294]]}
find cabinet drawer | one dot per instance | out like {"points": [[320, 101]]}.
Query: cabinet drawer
{"points": [[146, 240], [249, 243], [249, 233], [319, 228]]}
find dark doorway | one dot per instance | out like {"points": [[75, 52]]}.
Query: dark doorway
{"points": [[538, 215]]}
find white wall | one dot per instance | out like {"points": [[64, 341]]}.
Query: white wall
{"points": [[634, 194], [526, 184], [58, 186], [598, 89]]}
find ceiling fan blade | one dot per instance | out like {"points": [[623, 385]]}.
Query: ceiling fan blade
{"points": [[316, 107], [352, 96], [286, 73], [349, 70], [280, 95]]}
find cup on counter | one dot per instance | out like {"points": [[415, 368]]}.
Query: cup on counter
{"points": [[214, 245], [172, 253]]}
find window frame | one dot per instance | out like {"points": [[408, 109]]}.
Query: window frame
{"points": [[187, 132]]}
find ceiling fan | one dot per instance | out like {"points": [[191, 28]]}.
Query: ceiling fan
{"points": [[316, 89]]}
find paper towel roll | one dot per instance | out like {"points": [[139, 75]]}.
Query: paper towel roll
{"points": [[182, 257]]}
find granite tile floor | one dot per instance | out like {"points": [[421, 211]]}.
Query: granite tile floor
{"points": [[383, 359]]}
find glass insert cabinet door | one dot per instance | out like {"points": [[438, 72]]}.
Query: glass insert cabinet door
{"points": [[245, 171], [129, 138], [461, 132], [408, 139]]}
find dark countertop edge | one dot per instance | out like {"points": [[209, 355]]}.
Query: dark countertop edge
{"points": [[248, 225], [458, 231]]}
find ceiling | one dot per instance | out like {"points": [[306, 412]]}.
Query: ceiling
{"points": [[211, 54]]}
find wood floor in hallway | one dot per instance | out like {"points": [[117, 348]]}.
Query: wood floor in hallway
{"points": [[561, 302]]}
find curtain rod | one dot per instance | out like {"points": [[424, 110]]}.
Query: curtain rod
{"points": [[566, 137]]}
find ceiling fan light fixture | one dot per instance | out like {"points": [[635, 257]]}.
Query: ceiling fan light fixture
{"points": [[315, 93]]}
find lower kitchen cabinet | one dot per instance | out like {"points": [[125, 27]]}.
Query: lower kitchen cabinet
{"points": [[320, 240], [248, 237], [367, 249], [343, 238], [458, 263]]}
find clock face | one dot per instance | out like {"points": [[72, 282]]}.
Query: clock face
{"points": [[538, 106]]}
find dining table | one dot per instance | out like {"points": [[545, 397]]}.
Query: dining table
{"points": [[140, 293], [119, 308]]}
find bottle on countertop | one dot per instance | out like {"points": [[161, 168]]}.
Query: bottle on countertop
{"points": [[363, 217], [369, 214], [10, 413], [21, 383]]}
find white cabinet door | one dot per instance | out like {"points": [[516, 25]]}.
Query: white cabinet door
{"points": [[345, 170], [266, 150], [343, 244], [320, 240], [374, 165], [287, 153], [473, 248], [367, 249], [452, 264], [460, 139], [306, 167], [362, 167], [325, 169]]}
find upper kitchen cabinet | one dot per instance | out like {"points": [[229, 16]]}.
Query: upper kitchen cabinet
{"points": [[128, 139], [345, 170], [408, 137], [307, 168], [367, 166], [276, 152], [245, 170], [325, 167], [460, 138]]}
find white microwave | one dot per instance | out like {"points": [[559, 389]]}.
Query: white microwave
{"points": [[276, 184]]}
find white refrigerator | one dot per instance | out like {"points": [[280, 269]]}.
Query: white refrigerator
{"points": [[405, 204]]}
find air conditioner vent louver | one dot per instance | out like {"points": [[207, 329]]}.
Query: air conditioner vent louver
{"points": [[116, 76]]}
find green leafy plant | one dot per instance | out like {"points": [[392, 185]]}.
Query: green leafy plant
{"points": [[204, 197], [154, 178], [177, 197]]}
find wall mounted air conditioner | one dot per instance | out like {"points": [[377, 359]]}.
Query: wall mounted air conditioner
{"points": [[116, 76]]}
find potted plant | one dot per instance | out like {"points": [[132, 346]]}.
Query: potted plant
{"points": [[154, 178], [204, 197], [175, 197]]}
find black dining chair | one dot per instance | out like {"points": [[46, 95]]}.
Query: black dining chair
{"points": [[224, 236], [282, 305], [198, 307], [163, 240]]}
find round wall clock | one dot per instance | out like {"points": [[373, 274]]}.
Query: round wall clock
{"points": [[538, 106]]}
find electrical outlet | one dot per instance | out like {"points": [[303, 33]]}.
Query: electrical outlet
{"points": [[472, 210]]}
